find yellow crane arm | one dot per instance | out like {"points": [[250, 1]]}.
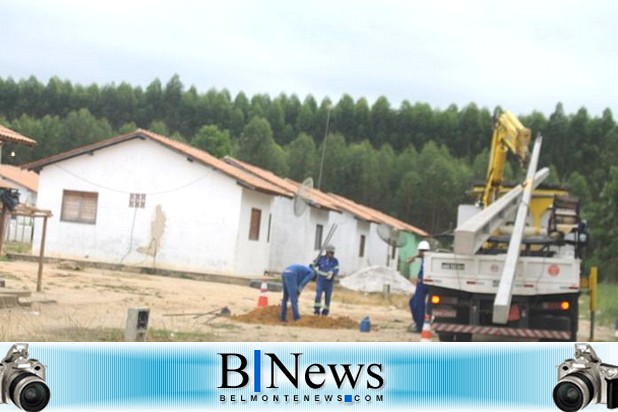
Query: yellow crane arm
{"points": [[508, 135]]}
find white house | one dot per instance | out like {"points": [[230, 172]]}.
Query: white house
{"points": [[143, 199], [298, 238]]}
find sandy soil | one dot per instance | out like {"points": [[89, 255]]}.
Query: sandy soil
{"points": [[91, 305]]}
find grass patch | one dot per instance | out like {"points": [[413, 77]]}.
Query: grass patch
{"points": [[224, 325], [118, 288], [7, 275], [348, 296], [77, 334], [352, 297], [17, 247], [607, 304]]}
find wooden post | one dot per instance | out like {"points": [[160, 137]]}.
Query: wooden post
{"points": [[39, 279], [593, 298], [2, 219]]}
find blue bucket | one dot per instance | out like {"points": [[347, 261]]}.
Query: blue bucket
{"points": [[365, 325]]}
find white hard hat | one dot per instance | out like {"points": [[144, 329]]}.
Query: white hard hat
{"points": [[329, 248], [423, 245]]}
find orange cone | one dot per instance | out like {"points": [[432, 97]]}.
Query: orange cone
{"points": [[426, 335], [263, 299]]}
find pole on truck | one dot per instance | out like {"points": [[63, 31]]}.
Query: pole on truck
{"points": [[502, 301]]}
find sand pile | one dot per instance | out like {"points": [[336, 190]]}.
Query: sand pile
{"points": [[270, 316], [373, 278]]}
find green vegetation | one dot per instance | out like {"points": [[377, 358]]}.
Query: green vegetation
{"points": [[80, 334], [414, 162], [607, 310], [17, 247], [607, 304]]}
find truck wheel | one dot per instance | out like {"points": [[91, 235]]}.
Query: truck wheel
{"points": [[462, 337], [455, 337]]}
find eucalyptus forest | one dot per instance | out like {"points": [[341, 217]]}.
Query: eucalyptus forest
{"points": [[413, 161]]}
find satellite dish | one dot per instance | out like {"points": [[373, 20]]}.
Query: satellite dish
{"points": [[393, 237], [302, 198]]}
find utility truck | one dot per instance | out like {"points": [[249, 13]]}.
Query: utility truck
{"points": [[515, 267]]}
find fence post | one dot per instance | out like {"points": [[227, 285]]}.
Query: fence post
{"points": [[593, 298]]}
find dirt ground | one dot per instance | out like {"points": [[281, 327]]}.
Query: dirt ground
{"points": [[91, 305]]}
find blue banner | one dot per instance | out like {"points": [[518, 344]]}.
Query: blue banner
{"points": [[316, 376]]}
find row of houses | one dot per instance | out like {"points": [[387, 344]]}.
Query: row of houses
{"points": [[144, 199]]}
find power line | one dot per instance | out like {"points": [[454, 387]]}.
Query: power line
{"points": [[112, 189]]}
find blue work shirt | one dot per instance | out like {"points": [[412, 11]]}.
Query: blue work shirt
{"points": [[328, 265], [420, 271], [299, 275]]}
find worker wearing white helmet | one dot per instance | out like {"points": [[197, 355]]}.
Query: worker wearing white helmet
{"points": [[326, 267], [417, 301]]}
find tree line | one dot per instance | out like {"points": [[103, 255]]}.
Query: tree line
{"points": [[413, 161]]}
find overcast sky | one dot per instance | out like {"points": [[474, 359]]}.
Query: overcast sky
{"points": [[522, 55]]}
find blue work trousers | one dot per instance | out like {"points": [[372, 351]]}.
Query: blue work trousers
{"points": [[290, 292], [323, 286], [417, 305]]}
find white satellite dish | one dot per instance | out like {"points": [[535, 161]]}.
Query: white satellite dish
{"points": [[393, 237], [302, 198]]}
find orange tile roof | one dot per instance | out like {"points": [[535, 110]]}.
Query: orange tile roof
{"points": [[317, 198], [28, 179], [330, 201], [245, 174], [13, 136], [379, 217], [5, 184], [243, 178]]}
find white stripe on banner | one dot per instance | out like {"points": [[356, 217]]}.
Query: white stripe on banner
{"points": [[305, 376]]}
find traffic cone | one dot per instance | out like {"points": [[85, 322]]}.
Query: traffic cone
{"points": [[263, 299], [426, 335]]}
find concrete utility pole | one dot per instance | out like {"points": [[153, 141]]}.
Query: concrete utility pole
{"points": [[502, 302], [324, 147]]}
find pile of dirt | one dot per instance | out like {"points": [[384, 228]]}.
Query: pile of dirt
{"points": [[373, 279], [270, 316]]}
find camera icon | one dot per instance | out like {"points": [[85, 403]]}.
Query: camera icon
{"points": [[585, 379], [22, 380]]}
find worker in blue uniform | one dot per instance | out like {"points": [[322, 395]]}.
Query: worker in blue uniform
{"points": [[327, 267], [417, 301], [294, 278]]}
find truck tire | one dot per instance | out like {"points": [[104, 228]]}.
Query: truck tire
{"points": [[455, 337], [463, 337], [446, 337]]}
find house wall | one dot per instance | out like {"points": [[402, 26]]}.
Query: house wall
{"points": [[317, 217], [190, 221], [347, 241], [252, 255], [293, 238], [26, 196], [379, 251]]}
